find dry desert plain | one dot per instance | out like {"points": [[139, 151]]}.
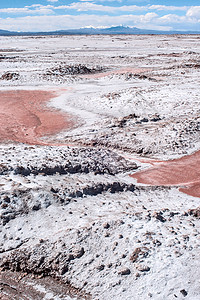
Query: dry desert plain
{"points": [[100, 167]]}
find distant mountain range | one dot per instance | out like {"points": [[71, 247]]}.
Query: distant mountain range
{"points": [[93, 31]]}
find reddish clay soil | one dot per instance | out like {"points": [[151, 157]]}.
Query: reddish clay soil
{"points": [[24, 117], [179, 172], [192, 190]]}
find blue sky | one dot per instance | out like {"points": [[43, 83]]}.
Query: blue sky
{"points": [[46, 15]]}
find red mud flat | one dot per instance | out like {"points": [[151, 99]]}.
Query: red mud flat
{"points": [[25, 119], [184, 171]]}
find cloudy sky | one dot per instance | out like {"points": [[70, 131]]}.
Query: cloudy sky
{"points": [[46, 15]]}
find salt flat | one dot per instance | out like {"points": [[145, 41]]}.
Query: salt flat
{"points": [[79, 115]]}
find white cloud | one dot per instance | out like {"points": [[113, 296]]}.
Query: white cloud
{"points": [[14, 10], [88, 6], [148, 17], [193, 12], [171, 19], [33, 9], [166, 7], [175, 19], [52, 0], [53, 22], [39, 17]]}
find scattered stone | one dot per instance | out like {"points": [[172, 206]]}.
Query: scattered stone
{"points": [[183, 292], [64, 270], [157, 243], [36, 206], [100, 267], [124, 271], [143, 268], [139, 253], [106, 225], [158, 216], [10, 76], [79, 252], [194, 212], [150, 295], [107, 234], [137, 275]]}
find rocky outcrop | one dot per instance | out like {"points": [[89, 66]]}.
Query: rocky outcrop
{"points": [[79, 69], [10, 76], [52, 160]]}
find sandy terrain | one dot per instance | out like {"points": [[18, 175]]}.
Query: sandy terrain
{"points": [[99, 170]]}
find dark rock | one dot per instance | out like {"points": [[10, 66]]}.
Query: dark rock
{"points": [[36, 206], [106, 225], [194, 212], [64, 270], [100, 267], [183, 292], [155, 119], [10, 76], [63, 70], [158, 216], [54, 190], [6, 199], [144, 120]]}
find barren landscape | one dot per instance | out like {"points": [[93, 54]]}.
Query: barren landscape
{"points": [[100, 167]]}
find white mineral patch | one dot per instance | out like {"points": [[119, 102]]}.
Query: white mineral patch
{"points": [[70, 210]]}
